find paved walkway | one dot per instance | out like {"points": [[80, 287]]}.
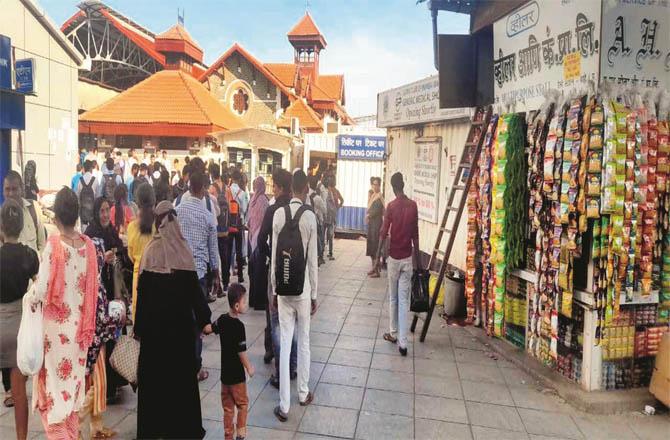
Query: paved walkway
{"points": [[447, 388]]}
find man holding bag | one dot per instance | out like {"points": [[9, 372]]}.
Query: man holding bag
{"points": [[402, 221]]}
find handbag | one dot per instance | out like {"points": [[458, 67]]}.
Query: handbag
{"points": [[30, 339], [419, 298], [125, 358]]}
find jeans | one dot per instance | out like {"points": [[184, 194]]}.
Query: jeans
{"points": [[235, 396], [329, 235], [198, 339], [294, 318], [225, 263], [236, 238], [400, 282], [272, 315], [320, 240]]}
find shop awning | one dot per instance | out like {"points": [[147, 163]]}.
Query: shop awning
{"points": [[255, 137]]}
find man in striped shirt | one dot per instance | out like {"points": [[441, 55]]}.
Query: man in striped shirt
{"points": [[198, 226]]}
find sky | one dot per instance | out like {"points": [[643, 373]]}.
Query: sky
{"points": [[376, 44]]}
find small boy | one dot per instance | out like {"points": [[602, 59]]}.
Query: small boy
{"points": [[234, 361]]}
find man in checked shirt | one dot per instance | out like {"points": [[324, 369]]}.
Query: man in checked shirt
{"points": [[198, 226]]}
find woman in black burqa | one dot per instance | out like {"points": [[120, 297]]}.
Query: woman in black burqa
{"points": [[170, 306]]}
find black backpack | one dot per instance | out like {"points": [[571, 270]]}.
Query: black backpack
{"points": [[86, 201], [290, 258], [109, 185], [223, 219]]}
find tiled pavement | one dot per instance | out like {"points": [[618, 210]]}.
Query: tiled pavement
{"points": [[447, 388]]}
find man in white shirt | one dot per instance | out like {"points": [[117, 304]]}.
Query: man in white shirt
{"points": [[295, 309], [236, 239], [319, 205], [88, 175]]}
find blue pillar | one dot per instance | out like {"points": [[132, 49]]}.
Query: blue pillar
{"points": [[5, 157]]}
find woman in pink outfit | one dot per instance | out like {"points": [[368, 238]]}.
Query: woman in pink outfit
{"points": [[67, 287]]}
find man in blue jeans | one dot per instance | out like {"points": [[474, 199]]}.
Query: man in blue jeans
{"points": [[402, 220], [281, 181], [198, 226]]}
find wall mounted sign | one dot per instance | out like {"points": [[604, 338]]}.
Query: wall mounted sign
{"points": [[356, 147]]}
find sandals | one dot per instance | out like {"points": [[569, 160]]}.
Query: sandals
{"points": [[389, 337], [203, 375], [308, 399], [374, 274], [9, 400], [280, 415], [104, 433]]}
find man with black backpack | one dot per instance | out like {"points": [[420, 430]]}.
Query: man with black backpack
{"points": [[86, 191], [110, 180], [294, 255], [237, 204]]}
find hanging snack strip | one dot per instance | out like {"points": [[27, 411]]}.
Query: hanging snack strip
{"points": [[498, 188], [515, 196], [658, 132], [472, 249], [484, 209]]}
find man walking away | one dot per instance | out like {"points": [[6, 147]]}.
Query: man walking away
{"points": [[87, 188], [33, 233], [319, 207], [110, 180], [237, 203], [220, 191], [199, 228], [403, 223], [76, 177], [331, 217], [281, 181], [294, 255]]}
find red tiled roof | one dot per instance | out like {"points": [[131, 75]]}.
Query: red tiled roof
{"points": [[305, 27], [309, 119], [177, 39], [170, 101], [328, 88], [177, 32], [285, 72], [253, 60]]}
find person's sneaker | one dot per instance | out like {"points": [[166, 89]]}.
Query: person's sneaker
{"points": [[268, 358], [223, 292], [403, 351], [294, 375], [321, 261], [331, 258], [308, 399], [274, 381], [211, 298], [280, 415]]}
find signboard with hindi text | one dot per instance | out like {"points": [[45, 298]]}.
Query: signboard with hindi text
{"points": [[24, 70], [425, 188], [636, 43], [358, 147], [545, 45], [415, 103]]}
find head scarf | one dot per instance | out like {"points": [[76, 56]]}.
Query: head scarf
{"points": [[168, 250], [257, 207], [107, 233]]}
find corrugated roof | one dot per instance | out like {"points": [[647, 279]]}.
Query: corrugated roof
{"points": [[285, 72], [167, 97]]}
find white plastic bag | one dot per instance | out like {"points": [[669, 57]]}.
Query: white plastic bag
{"points": [[29, 342]]}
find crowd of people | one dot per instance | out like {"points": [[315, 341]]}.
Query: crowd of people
{"points": [[153, 253]]}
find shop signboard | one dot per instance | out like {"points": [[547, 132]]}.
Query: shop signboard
{"points": [[25, 75], [415, 103], [357, 147], [425, 188], [5, 62], [542, 46], [636, 43]]}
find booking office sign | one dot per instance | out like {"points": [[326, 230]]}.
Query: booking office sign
{"points": [[542, 46], [359, 147]]}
